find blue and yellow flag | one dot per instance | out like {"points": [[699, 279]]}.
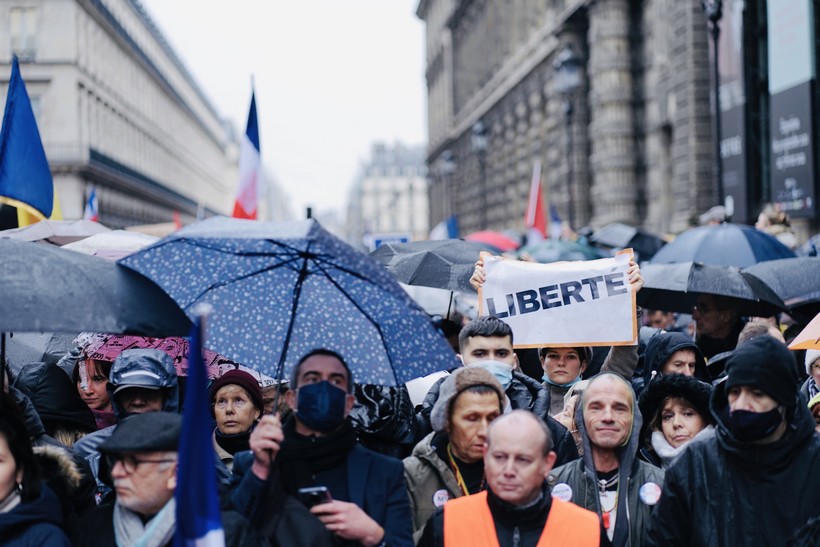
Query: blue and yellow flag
{"points": [[25, 179]]}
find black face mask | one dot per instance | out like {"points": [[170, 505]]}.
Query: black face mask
{"points": [[749, 426]]}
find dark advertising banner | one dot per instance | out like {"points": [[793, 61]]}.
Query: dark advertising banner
{"points": [[791, 73], [733, 156], [793, 188], [733, 108]]}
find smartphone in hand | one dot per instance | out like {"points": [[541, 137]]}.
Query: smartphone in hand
{"points": [[314, 495]]}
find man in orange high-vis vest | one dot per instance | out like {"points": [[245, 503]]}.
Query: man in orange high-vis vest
{"points": [[517, 508]]}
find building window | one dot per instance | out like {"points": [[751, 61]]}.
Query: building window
{"points": [[24, 33]]}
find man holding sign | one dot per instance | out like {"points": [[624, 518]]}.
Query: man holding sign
{"points": [[600, 310]]}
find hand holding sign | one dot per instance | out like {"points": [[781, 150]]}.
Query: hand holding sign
{"points": [[562, 304]]}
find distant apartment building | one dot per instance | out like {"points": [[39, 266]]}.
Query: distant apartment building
{"points": [[118, 112], [389, 197]]}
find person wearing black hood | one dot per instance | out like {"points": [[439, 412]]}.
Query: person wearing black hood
{"points": [[676, 411], [609, 480], [754, 480], [64, 414], [673, 353]]}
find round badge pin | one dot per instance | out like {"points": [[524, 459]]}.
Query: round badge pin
{"points": [[650, 493], [562, 491], [440, 497]]}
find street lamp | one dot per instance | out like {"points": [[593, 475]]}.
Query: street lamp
{"points": [[479, 141], [567, 69], [714, 11]]}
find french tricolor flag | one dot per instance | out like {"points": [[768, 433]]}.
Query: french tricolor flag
{"points": [[250, 168], [92, 208], [535, 220]]}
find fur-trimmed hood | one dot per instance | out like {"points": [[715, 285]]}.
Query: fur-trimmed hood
{"points": [[59, 469]]}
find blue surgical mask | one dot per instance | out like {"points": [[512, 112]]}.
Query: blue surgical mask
{"points": [[501, 371], [321, 406]]}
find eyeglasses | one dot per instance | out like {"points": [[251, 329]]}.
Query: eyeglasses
{"points": [[129, 462]]}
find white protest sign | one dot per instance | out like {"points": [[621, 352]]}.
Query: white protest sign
{"points": [[586, 303]]}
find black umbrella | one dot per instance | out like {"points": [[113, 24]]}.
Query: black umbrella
{"points": [[46, 288], [623, 236], [724, 244], [441, 264], [795, 280], [675, 287]]}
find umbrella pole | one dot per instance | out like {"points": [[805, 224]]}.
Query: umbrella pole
{"points": [[449, 306], [297, 291]]}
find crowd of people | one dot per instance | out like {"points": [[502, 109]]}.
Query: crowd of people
{"points": [[709, 440]]}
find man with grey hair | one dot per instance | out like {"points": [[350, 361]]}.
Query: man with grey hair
{"points": [[517, 504], [141, 457]]}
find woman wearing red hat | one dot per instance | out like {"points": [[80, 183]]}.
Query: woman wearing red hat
{"points": [[236, 404]]}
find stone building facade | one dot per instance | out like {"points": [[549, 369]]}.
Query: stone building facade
{"points": [[389, 196], [640, 128], [118, 112]]}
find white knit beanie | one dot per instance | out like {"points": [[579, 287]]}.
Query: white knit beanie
{"points": [[812, 355]]}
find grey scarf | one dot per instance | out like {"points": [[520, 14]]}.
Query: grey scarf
{"points": [[129, 530]]}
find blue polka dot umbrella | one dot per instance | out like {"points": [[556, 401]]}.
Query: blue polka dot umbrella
{"points": [[281, 289]]}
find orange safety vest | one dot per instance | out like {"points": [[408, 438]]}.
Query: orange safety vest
{"points": [[468, 521]]}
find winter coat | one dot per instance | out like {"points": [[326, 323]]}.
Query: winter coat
{"points": [[55, 397], [526, 393], [383, 419], [98, 530], [634, 507], [87, 446], [721, 492], [35, 523], [82, 499], [426, 475], [661, 347]]}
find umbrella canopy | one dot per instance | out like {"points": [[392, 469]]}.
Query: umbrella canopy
{"points": [[46, 288], [112, 245], [557, 250], [441, 264], [735, 245], [279, 290], [623, 236], [809, 338], [106, 347], [499, 241], [675, 287], [795, 280], [55, 232]]}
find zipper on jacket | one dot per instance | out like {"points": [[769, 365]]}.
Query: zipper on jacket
{"points": [[516, 537]]}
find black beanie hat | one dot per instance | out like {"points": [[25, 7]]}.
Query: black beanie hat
{"points": [[766, 364]]}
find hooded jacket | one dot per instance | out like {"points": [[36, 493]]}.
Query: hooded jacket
{"points": [[634, 508], [166, 379], [426, 475], [54, 396], [722, 492], [663, 345], [82, 498], [525, 393], [34, 523]]}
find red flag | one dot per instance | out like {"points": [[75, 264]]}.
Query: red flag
{"points": [[535, 219]]}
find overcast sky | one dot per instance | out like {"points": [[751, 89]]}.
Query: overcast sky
{"points": [[331, 77]]}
